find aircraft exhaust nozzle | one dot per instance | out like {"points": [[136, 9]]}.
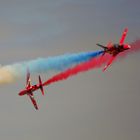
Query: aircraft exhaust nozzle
{"points": [[41, 87]]}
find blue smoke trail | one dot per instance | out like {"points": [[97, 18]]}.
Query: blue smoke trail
{"points": [[42, 65]]}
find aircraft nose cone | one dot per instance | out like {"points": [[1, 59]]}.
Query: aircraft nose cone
{"points": [[20, 93], [127, 47]]}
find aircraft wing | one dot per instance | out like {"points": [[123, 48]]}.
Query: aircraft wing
{"points": [[123, 36], [28, 80], [110, 62], [33, 100]]}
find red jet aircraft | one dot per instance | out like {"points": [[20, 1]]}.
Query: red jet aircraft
{"points": [[115, 49], [31, 88]]}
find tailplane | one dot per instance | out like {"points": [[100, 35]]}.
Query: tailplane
{"points": [[41, 86], [104, 47]]}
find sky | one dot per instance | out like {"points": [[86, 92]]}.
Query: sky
{"points": [[91, 105]]}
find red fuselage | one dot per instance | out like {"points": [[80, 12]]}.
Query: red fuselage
{"points": [[116, 48], [29, 90]]}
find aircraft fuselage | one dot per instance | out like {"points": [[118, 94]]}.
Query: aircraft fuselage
{"points": [[29, 90], [116, 48]]}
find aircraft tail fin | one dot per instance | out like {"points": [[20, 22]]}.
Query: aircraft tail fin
{"points": [[104, 47], [41, 86]]}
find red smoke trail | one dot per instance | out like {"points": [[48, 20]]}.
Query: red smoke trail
{"points": [[93, 63]]}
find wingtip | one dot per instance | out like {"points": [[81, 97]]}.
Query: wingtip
{"points": [[36, 107], [103, 70], [126, 30]]}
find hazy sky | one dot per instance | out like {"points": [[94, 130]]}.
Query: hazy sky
{"points": [[91, 105]]}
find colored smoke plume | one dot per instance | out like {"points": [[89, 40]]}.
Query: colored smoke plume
{"points": [[91, 64], [12, 72]]}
